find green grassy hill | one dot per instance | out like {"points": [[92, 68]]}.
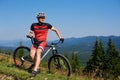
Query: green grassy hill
{"points": [[8, 71]]}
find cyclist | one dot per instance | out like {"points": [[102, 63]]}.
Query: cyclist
{"points": [[39, 31]]}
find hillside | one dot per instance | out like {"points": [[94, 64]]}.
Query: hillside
{"points": [[8, 71]]}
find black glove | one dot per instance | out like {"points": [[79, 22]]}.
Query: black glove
{"points": [[62, 40]]}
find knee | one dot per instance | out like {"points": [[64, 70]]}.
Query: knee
{"points": [[32, 53]]}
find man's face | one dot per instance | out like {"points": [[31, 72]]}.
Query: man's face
{"points": [[41, 20]]}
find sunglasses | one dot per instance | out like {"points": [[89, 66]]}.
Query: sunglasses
{"points": [[43, 17]]}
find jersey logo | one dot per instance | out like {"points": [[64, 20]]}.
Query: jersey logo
{"points": [[40, 28]]}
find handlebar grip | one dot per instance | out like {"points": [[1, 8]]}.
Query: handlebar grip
{"points": [[32, 39], [28, 36]]}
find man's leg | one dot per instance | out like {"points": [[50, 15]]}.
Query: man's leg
{"points": [[32, 53], [38, 59]]}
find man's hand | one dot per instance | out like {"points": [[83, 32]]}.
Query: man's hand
{"points": [[61, 40], [31, 34]]}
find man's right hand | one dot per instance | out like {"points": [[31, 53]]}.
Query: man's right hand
{"points": [[31, 34]]}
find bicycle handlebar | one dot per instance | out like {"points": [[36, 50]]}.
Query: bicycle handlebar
{"points": [[32, 39], [48, 45]]}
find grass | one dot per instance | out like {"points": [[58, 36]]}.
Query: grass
{"points": [[8, 68]]}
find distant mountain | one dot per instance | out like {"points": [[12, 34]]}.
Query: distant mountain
{"points": [[83, 46], [13, 44]]}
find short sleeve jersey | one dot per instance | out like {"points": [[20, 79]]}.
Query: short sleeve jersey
{"points": [[40, 30]]}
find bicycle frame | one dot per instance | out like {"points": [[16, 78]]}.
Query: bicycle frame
{"points": [[46, 53], [51, 48]]}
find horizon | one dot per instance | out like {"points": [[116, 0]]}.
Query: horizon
{"points": [[57, 39]]}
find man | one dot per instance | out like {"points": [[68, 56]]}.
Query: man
{"points": [[39, 31]]}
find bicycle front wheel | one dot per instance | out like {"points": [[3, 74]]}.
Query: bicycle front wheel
{"points": [[59, 64], [21, 57]]}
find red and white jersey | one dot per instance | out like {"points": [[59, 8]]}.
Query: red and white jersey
{"points": [[40, 30]]}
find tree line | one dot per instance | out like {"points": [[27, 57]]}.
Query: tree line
{"points": [[103, 63]]}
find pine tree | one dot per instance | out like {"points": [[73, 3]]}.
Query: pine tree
{"points": [[117, 68], [95, 64], [112, 61], [95, 57], [101, 59], [0, 50], [89, 67], [92, 64], [75, 63]]}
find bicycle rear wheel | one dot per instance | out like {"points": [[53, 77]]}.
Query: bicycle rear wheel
{"points": [[21, 57], [59, 64]]}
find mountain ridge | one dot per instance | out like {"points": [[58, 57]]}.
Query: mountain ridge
{"points": [[76, 44], [83, 45]]}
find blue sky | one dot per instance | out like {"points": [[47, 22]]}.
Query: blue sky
{"points": [[73, 18]]}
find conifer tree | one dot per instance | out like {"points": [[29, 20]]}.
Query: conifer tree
{"points": [[112, 61], [75, 61], [95, 56], [117, 69], [92, 63], [96, 63], [0, 50], [101, 58]]}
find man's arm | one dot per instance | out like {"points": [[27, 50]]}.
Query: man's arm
{"points": [[58, 34]]}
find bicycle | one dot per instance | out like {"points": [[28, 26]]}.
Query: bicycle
{"points": [[57, 63]]}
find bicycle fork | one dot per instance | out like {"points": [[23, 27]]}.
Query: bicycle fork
{"points": [[56, 60]]}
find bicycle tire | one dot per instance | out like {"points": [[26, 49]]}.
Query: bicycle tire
{"points": [[18, 53], [57, 67]]}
